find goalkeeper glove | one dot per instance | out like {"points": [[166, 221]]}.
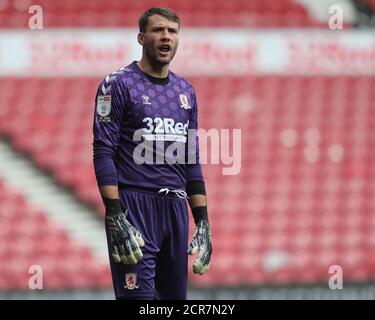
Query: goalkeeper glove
{"points": [[201, 241], [125, 239]]}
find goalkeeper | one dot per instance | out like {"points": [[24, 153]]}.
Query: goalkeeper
{"points": [[145, 199]]}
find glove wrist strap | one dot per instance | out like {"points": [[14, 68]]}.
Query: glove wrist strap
{"points": [[199, 214], [112, 206]]}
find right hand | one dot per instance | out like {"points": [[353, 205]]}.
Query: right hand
{"points": [[126, 241]]}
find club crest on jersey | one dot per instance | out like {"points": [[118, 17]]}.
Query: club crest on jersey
{"points": [[184, 101], [146, 99], [131, 281]]}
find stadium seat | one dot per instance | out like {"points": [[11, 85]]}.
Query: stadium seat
{"points": [[301, 202], [28, 238], [237, 13]]}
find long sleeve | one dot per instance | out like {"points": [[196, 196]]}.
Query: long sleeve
{"points": [[193, 167], [110, 103]]}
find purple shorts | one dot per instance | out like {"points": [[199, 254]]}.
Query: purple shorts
{"points": [[163, 222]]}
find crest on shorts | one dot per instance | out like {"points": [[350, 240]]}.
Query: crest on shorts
{"points": [[131, 281]]}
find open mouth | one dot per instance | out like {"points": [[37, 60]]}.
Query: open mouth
{"points": [[165, 48]]}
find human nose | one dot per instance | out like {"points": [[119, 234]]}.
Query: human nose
{"points": [[166, 35]]}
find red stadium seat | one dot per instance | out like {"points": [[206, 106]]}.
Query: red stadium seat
{"points": [[27, 238], [238, 13], [303, 198]]}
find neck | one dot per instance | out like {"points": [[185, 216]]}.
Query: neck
{"points": [[157, 71]]}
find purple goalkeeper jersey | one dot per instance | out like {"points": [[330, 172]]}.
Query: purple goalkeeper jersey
{"points": [[142, 130]]}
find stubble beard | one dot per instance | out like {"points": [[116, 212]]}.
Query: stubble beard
{"points": [[155, 60]]}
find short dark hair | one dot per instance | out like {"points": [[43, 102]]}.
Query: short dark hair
{"points": [[165, 12]]}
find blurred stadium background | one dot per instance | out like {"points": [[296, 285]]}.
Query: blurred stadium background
{"points": [[302, 94]]}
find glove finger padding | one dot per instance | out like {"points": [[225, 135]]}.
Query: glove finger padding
{"points": [[199, 268], [135, 253], [125, 240], [193, 246], [138, 237], [203, 261], [115, 254], [128, 256], [114, 248], [131, 252]]}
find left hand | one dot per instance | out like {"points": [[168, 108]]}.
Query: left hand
{"points": [[201, 242]]}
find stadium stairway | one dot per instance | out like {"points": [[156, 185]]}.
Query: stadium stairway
{"points": [[42, 224]]}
